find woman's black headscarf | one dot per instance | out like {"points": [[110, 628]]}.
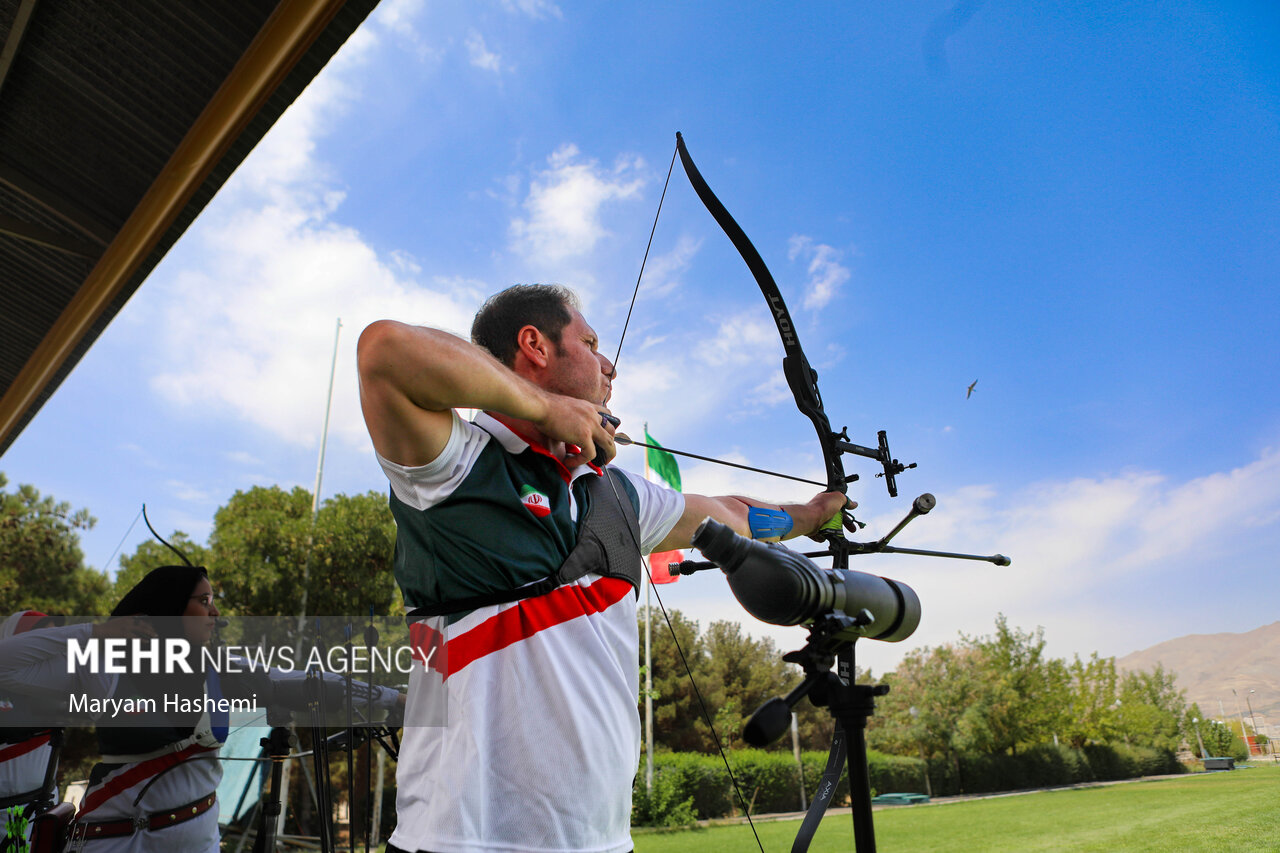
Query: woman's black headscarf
{"points": [[163, 592], [162, 596]]}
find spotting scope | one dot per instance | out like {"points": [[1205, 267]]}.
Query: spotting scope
{"points": [[781, 587]]}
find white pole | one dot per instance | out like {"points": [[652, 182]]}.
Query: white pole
{"points": [[795, 748], [648, 664], [377, 794], [648, 693], [1244, 736], [315, 493], [306, 565], [324, 432]]}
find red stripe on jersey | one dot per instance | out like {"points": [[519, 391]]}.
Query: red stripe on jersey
{"points": [[428, 645], [532, 615], [24, 747], [140, 771]]}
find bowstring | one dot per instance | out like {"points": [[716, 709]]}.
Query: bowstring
{"points": [[643, 261], [645, 563]]}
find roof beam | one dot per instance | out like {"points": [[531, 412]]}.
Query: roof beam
{"points": [[47, 237], [63, 208], [283, 40], [16, 31]]}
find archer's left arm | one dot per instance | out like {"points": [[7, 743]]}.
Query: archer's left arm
{"points": [[733, 510]]}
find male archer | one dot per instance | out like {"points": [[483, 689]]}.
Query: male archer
{"points": [[509, 529]]}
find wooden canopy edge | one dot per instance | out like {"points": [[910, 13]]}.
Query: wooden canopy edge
{"points": [[283, 40]]}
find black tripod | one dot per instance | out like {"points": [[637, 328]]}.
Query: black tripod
{"points": [[276, 746], [849, 703]]}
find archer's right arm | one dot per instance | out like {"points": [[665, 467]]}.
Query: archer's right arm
{"points": [[412, 376]]}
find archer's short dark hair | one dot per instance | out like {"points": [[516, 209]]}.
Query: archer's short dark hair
{"points": [[544, 306]]}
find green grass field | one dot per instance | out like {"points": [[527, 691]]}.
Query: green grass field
{"points": [[1238, 810]]}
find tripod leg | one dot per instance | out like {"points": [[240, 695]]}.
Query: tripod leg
{"points": [[864, 832], [277, 746], [851, 704]]}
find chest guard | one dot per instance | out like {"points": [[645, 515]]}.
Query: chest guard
{"points": [[608, 537], [607, 545]]}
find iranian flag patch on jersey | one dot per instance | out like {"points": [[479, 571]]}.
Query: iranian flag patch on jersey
{"points": [[535, 501]]}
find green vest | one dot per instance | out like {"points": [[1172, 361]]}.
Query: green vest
{"points": [[505, 526]]}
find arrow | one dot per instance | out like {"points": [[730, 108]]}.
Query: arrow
{"points": [[624, 439]]}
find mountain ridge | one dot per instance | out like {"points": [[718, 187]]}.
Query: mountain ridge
{"points": [[1209, 666]]}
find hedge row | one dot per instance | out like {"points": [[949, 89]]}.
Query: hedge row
{"points": [[692, 786]]}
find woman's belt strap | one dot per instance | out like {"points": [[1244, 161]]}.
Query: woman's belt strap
{"points": [[90, 830]]}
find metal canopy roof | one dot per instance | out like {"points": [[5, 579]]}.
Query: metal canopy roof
{"points": [[118, 123]]}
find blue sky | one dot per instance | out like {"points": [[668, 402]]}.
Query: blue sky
{"points": [[1074, 204]]}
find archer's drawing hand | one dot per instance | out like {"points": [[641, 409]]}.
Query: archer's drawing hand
{"points": [[580, 425]]}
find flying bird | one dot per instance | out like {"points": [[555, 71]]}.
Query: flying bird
{"points": [[969, 393]]}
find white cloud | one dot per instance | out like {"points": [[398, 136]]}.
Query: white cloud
{"points": [[248, 320], [533, 8], [662, 272], [188, 492], [242, 457], [774, 391], [399, 16], [740, 340], [1110, 563], [262, 314], [562, 211], [1079, 549], [479, 55], [401, 20], [826, 274]]}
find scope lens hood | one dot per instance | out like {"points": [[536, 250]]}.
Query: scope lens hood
{"points": [[773, 583]]}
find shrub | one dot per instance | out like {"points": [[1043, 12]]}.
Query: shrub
{"points": [[689, 786], [665, 805]]}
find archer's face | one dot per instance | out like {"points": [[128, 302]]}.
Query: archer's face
{"points": [[578, 368], [201, 615]]}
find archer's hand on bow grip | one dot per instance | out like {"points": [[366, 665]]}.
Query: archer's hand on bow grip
{"points": [[843, 520], [833, 524]]}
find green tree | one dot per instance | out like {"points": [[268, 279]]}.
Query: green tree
{"points": [[1216, 738], [1018, 691], [41, 564], [734, 673], [1221, 739], [151, 554], [1091, 710], [940, 684], [1151, 709], [263, 544], [675, 709], [738, 674]]}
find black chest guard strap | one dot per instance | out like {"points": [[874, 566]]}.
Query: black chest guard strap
{"points": [[607, 545]]}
